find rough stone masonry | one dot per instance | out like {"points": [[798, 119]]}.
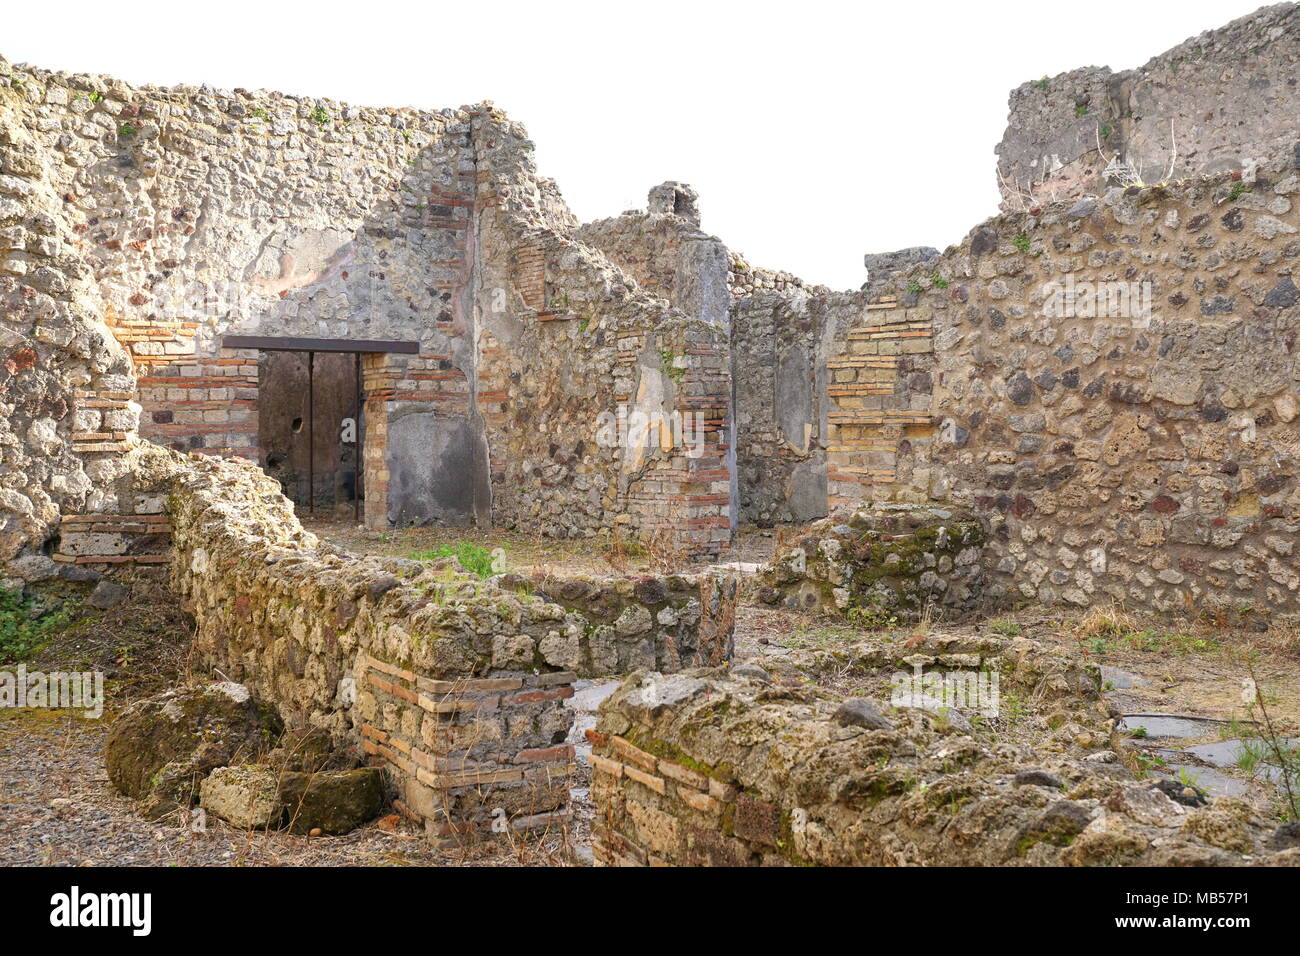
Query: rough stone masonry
{"points": [[1105, 382]]}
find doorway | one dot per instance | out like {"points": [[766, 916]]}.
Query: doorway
{"points": [[312, 425]]}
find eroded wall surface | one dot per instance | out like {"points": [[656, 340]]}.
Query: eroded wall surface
{"points": [[1116, 392], [457, 684], [1221, 101], [179, 217], [744, 768]]}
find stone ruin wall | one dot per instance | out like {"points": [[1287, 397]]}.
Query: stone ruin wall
{"points": [[779, 459], [581, 339], [1148, 459], [456, 684], [63, 371], [1230, 94], [176, 217], [204, 213], [746, 768]]}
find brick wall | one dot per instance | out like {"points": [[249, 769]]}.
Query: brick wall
{"points": [[879, 383], [463, 751]]}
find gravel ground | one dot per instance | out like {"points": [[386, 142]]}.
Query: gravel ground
{"points": [[57, 809]]}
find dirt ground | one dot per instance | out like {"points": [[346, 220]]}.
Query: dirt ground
{"points": [[56, 805], [524, 553]]}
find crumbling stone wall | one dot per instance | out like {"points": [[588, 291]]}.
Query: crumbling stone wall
{"points": [[747, 768], [776, 369], [202, 213], [746, 280], [568, 337], [1119, 452], [668, 256], [65, 383], [194, 214], [457, 684], [881, 562], [1221, 101]]}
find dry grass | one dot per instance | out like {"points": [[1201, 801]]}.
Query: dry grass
{"points": [[665, 551], [718, 622], [1105, 622], [142, 645]]}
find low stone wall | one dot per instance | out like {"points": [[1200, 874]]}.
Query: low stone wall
{"points": [[718, 768], [457, 685], [880, 560], [657, 623]]}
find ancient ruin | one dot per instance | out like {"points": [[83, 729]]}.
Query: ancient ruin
{"points": [[224, 310]]}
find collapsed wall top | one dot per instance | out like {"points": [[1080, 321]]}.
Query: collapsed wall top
{"points": [[1221, 101]]}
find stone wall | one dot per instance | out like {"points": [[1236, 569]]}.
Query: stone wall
{"points": [[574, 342], [1221, 101], [743, 768], [65, 383], [780, 466], [1116, 392], [777, 351], [880, 564], [193, 214], [455, 683], [668, 256], [200, 213]]}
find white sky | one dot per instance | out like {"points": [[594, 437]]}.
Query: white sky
{"points": [[814, 131]]}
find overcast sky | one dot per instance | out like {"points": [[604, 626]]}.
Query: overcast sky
{"points": [[814, 131]]}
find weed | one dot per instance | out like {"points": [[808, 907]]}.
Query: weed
{"points": [[669, 363], [1105, 624], [1005, 626], [24, 626], [718, 621], [472, 557], [664, 550], [871, 616], [1284, 756], [1021, 242]]}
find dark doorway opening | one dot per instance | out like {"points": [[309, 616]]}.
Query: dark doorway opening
{"points": [[311, 418], [311, 429]]}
